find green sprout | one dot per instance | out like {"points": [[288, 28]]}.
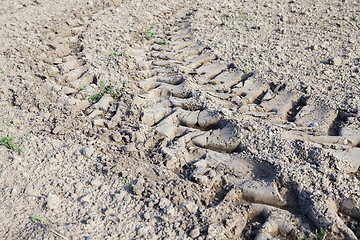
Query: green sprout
{"points": [[116, 55], [8, 141], [318, 235], [107, 88], [39, 219], [242, 15], [50, 75], [2, 72], [125, 180], [150, 34], [250, 19], [19, 148], [224, 18], [162, 42]]}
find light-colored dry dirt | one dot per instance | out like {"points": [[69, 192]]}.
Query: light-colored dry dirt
{"points": [[221, 119]]}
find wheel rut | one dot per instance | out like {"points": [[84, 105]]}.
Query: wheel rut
{"points": [[191, 97]]}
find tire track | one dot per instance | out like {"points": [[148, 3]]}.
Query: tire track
{"points": [[183, 81]]}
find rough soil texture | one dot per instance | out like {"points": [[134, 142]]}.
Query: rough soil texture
{"points": [[180, 119]]}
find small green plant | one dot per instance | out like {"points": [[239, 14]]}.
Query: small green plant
{"points": [[34, 219], [267, 50], [50, 75], [149, 33], [318, 235], [125, 180], [242, 15], [107, 88], [8, 141], [224, 18], [250, 19], [2, 72], [325, 27], [22, 142], [321, 235], [162, 42], [114, 54]]}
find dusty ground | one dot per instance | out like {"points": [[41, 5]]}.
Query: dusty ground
{"points": [[179, 119]]}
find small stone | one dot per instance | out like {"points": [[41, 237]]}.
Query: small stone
{"points": [[138, 186], [57, 129], [98, 122], [314, 124], [131, 147], [202, 180], [53, 201], [284, 19], [170, 210], [336, 61], [189, 206], [116, 136], [195, 232], [96, 182], [146, 215], [164, 203], [88, 151], [322, 169]]}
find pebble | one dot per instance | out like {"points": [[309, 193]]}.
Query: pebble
{"points": [[336, 61], [170, 211], [138, 187], [189, 206], [96, 182], [116, 136], [284, 19], [99, 122], [88, 151], [146, 215], [53, 201], [57, 129], [195, 232], [322, 169]]}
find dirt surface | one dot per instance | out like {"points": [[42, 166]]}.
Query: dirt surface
{"points": [[179, 119]]}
